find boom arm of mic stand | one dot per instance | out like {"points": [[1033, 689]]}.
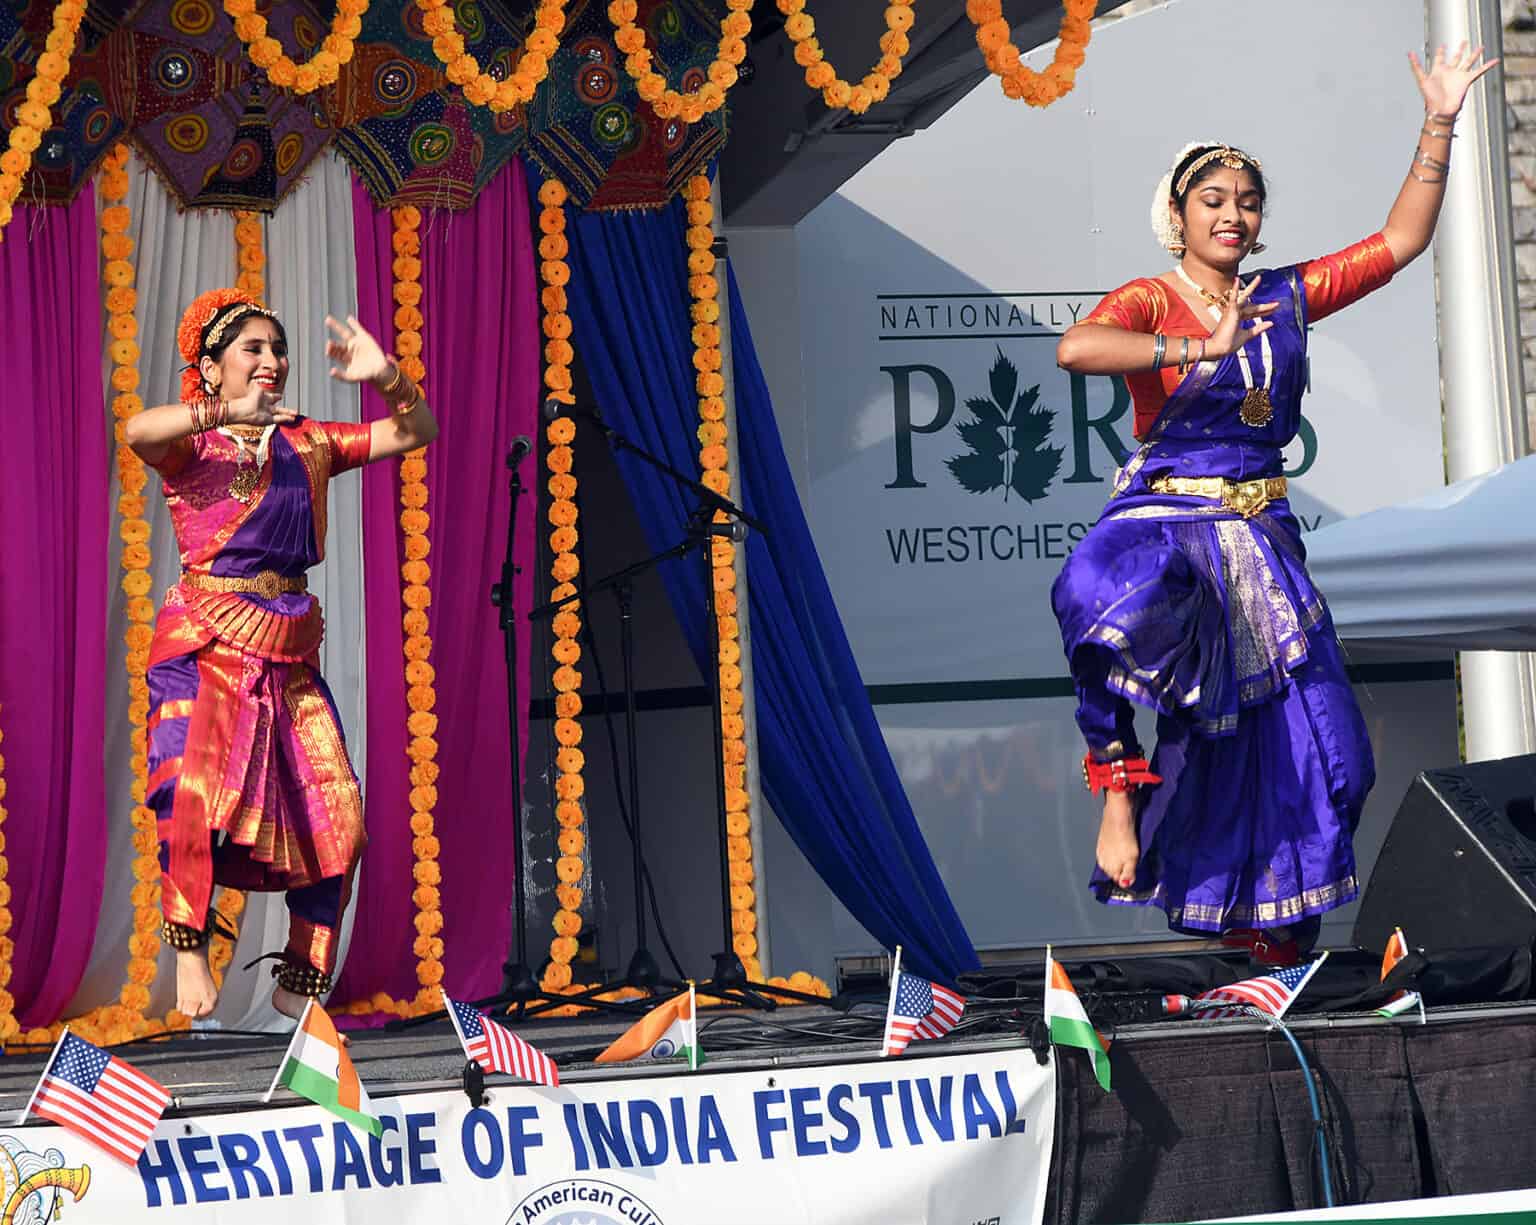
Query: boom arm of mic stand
{"points": [[714, 500]]}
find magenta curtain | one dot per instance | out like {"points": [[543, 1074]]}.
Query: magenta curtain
{"points": [[53, 599], [482, 352]]}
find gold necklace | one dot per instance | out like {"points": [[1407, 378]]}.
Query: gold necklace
{"points": [[250, 461], [1218, 301]]}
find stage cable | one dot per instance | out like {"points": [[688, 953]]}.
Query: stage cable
{"points": [[1319, 1132]]}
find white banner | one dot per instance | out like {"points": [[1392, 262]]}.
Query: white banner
{"points": [[956, 1140]]}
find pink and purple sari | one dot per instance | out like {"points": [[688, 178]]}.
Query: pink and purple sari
{"points": [[249, 777], [1207, 616]]}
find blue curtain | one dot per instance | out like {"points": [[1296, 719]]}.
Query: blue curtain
{"points": [[825, 766]]}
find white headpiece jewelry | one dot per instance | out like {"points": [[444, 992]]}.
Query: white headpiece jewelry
{"points": [[1162, 219]]}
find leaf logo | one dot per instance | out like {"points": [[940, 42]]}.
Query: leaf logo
{"points": [[1007, 436]]}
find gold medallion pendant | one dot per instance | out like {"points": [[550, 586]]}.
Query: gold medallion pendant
{"points": [[1257, 409], [242, 486]]}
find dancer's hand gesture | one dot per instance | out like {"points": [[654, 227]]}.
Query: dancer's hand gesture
{"points": [[356, 354], [1230, 334], [1445, 83]]}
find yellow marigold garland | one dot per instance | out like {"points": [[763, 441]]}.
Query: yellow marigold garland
{"points": [[821, 75], [322, 68], [420, 676], [8, 1025], [464, 70], [652, 86], [570, 866], [32, 116], [995, 38]]}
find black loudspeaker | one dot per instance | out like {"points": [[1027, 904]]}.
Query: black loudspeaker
{"points": [[1458, 869]]}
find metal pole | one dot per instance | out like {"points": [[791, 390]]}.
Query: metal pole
{"points": [[1480, 365], [755, 802]]}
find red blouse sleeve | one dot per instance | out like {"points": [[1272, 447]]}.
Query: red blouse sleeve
{"points": [[179, 453], [349, 442], [1335, 281], [1139, 306]]}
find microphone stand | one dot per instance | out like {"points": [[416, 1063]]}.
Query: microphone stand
{"points": [[729, 980], [519, 988]]}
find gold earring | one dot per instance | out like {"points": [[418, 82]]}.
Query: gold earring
{"points": [[1176, 239]]}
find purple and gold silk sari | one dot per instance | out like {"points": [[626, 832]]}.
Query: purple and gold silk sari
{"points": [[249, 777], [1184, 605]]}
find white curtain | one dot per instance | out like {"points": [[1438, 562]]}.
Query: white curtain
{"points": [[311, 269]]}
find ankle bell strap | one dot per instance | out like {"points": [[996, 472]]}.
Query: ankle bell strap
{"points": [[1124, 774]]}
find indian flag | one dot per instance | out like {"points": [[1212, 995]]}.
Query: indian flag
{"points": [[667, 1031], [1068, 1023], [1396, 950], [318, 1067]]}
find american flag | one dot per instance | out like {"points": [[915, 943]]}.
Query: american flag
{"points": [[100, 1097], [920, 1009], [500, 1050], [1270, 993]]}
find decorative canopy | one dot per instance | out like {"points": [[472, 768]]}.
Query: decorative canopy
{"points": [[173, 77], [588, 125]]}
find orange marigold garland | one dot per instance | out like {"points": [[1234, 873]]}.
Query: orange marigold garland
{"points": [[821, 75], [420, 677], [571, 866], [668, 103], [714, 458], [250, 259], [118, 274], [995, 38], [32, 116], [322, 68], [464, 70]]}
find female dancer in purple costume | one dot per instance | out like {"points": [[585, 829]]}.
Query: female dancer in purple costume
{"points": [[248, 771], [1190, 595]]}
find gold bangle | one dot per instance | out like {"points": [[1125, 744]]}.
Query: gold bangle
{"points": [[392, 392], [404, 408]]}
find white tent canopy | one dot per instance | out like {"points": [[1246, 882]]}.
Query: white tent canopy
{"points": [[1456, 568]]}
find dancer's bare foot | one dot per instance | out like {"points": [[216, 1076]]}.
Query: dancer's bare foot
{"points": [[196, 994], [1118, 851]]}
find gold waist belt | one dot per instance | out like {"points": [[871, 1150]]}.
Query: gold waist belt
{"points": [[268, 584], [1246, 498]]}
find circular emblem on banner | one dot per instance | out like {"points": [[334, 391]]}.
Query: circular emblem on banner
{"points": [[192, 17], [593, 50], [673, 132], [187, 133], [693, 80], [611, 125], [394, 83], [583, 1201], [174, 71], [97, 125], [499, 68], [596, 83], [243, 160], [506, 122], [411, 18], [431, 143], [53, 151], [289, 150]]}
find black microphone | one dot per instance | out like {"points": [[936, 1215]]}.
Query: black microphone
{"points": [[521, 446], [556, 408]]}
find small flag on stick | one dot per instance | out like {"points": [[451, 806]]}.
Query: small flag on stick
{"points": [[99, 1097], [497, 1049], [318, 1067], [668, 1031], [917, 1009], [1396, 950], [1272, 993], [1068, 1022]]}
